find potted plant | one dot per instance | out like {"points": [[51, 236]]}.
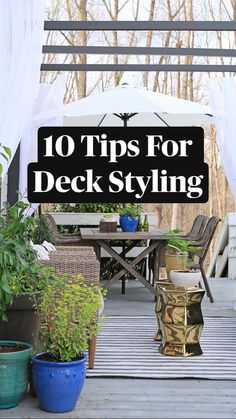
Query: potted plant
{"points": [[129, 214], [22, 278], [69, 312], [14, 377], [176, 252]]}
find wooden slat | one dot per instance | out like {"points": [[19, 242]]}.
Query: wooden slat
{"points": [[140, 25], [91, 218], [203, 68], [219, 247], [221, 265], [100, 50], [94, 234]]}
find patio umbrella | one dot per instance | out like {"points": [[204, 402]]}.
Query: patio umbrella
{"points": [[125, 105], [129, 106]]}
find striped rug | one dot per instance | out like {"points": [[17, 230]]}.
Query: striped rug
{"points": [[126, 348]]}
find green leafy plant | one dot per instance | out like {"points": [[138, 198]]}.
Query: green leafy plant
{"points": [[177, 244], [19, 270], [82, 208], [181, 248], [87, 207], [41, 231], [6, 154], [133, 210], [69, 310]]}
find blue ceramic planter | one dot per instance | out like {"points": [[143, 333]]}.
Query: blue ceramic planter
{"points": [[58, 384], [128, 223]]}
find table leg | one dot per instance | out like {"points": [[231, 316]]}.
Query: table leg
{"points": [[123, 286], [156, 262], [128, 267], [122, 254], [123, 279]]}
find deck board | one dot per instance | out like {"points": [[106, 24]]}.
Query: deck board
{"points": [[125, 398]]}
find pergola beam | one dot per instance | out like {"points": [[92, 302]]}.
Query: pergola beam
{"points": [[205, 68], [139, 25], [100, 50]]}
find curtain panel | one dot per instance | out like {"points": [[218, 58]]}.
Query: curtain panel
{"points": [[222, 95], [48, 111], [21, 38]]}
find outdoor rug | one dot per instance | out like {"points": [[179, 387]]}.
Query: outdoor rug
{"points": [[126, 348]]}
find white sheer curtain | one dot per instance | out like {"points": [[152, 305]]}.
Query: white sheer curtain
{"points": [[222, 95], [48, 111], [21, 38]]}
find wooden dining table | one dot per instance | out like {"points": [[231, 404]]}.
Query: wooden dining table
{"points": [[155, 238]]}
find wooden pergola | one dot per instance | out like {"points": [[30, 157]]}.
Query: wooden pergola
{"points": [[144, 26], [210, 26]]}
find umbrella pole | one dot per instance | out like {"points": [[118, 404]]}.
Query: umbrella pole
{"points": [[125, 118]]}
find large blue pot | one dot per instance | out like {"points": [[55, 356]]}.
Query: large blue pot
{"points": [[128, 223], [58, 384]]}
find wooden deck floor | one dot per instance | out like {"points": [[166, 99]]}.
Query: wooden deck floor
{"points": [[139, 398]]}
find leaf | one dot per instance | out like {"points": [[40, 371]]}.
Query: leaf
{"points": [[5, 286], [4, 156]]}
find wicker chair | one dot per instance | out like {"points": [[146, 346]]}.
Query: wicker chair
{"points": [[86, 252], [73, 239], [73, 264], [86, 249]]}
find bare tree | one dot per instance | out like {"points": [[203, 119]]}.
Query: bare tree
{"points": [[149, 41]]}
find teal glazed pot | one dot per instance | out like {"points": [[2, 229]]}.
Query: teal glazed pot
{"points": [[14, 374]]}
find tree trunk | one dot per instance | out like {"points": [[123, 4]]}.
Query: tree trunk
{"points": [[82, 41], [149, 41], [174, 217]]}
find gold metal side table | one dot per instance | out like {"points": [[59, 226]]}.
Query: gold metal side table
{"points": [[179, 318]]}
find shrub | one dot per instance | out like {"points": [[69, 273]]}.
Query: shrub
{"points": [[70, 317], [133, 210]]}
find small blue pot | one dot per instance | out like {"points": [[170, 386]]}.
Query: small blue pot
{"points": [[58, 384], [128, 223]]}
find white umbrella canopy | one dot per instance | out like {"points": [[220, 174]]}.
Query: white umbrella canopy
{"points": [[137, 107]]}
